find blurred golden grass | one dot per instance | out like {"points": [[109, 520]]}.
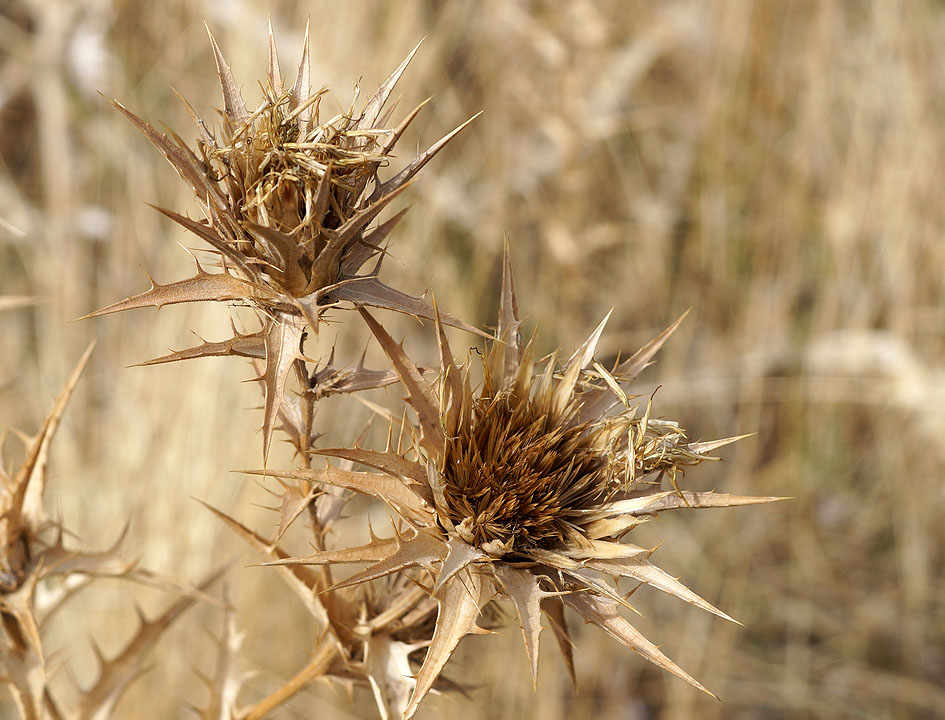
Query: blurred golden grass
{"points": [[773, 165]]}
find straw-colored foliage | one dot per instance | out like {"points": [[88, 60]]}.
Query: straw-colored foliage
{"points": [[39, 574]]}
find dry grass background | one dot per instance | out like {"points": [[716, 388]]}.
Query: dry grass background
{"points": [[776, 166]]}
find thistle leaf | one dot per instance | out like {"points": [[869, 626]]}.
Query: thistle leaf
{"points": [[388, 669], [19, 606], [403, 497], [702, 448], [372, 107], [634, 365], [303, 86], [302, 582], [322, 196], [248, 346], [451, 388], [591, 581], [371, 291], [639, 568], [505, 354], [283, 253], [423, 551], [108, 563], [420, 394], [294, 503], [377, 549], [208, 234], [202, 287], [416, 165], [459, 609], [553, 608], [598, 401], [404, 124], [583, 356], [684, 499], [329, 259], [524, 589], [388, 462], [98, 702], [205, 135], [182, 159], [233, 104], [369, 245], [332, 381], [460, 555], [224, 685], [612, 527], [284, 335], [602, 550], [24, 672], [29, 483], [603, 613], [275, 75]]}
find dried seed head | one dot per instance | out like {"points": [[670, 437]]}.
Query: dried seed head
{"points": [[288, 199], [517, 475], [525, 490]]}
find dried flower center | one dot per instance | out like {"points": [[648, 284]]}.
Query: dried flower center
{"points": [[273, 167], [518, 476]]}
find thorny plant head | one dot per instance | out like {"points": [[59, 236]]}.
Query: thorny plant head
{"points": [[524, 490], [288, 200]]}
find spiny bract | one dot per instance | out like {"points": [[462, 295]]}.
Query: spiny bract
{"points": [[288, 200], [525, 490]]}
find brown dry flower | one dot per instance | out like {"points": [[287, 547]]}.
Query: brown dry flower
{"points": [[288, 200], [524, 490]]}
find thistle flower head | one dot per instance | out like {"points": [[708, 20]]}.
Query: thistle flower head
{"points": [[525, 490], [288, 199]]}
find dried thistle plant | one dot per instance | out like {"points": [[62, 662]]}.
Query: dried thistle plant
{"points": [[39, 574], [288, 199], [364, 636], [524, 490]]}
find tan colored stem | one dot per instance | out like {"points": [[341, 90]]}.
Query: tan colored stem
{"points": [[315, 667]]}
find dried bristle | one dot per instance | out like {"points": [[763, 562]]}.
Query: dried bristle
{"points": [[520, 473], [274, 167]]}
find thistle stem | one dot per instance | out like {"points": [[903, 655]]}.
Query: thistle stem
{"points": [[315, 667]]}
